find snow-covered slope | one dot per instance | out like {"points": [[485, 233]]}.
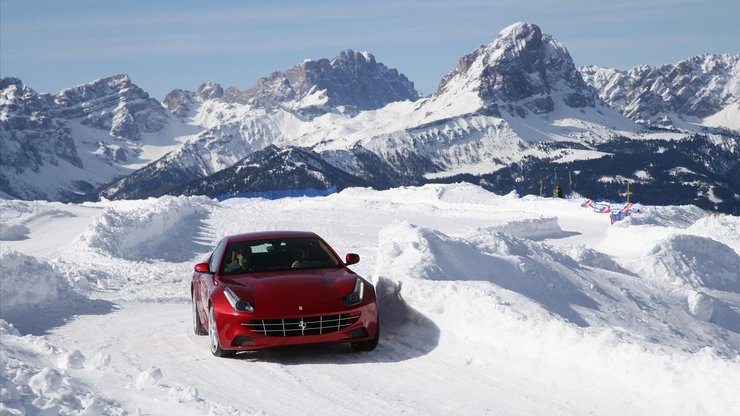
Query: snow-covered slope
{"points": [[489, 304], [700, 91]]}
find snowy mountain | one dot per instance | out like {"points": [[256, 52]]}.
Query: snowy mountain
{"points": [[273, 112], [515, 114], [512, 114], [523, 71], [484, 117], [699, 91], [182, 103], [489, 305], [64, 145], [351, 82], [31, 137], [112, 104]]}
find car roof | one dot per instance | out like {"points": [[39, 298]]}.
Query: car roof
{"points": [[269, 235]]}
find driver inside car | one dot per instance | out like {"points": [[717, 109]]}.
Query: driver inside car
{"points": [[241, 259], [298, 257]]}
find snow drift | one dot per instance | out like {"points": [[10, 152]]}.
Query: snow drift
{"points": [[28, 282], [165, 228], [698, 262]]}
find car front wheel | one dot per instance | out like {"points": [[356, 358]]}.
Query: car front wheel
{"points": [[213, 336]]}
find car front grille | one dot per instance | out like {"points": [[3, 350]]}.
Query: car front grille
{"points": [[296, 327]]}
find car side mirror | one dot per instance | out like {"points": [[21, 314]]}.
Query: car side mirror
{"points": [[352, 258], [202, 268]]}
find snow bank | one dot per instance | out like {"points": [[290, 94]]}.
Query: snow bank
{"points": [[434, 194], [724, 228], [698, 262], [156, 229], [459, 193], [486, 255], [532, 228], [519, 305], [35, 296], [27, 282], [13, 232]]}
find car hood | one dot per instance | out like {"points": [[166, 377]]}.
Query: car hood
{"points": [[294, 292]]}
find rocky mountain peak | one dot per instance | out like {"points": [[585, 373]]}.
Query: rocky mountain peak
{"points": [[209, 91], [114, 104], [30, 136], [7, 82], [699, 87], [179, 102], [522, 71], [352, 61], [115, 85], [18, 99], [182, 102], [350, 82]]}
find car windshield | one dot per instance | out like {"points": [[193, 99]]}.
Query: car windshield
{"points": [[278, 254]]}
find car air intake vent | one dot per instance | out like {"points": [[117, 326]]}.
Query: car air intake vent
{"points": [[296, 327]]}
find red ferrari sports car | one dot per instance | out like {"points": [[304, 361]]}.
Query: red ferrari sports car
{"points": [[268, 289]]}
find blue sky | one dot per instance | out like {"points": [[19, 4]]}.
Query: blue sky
{"points": [[164, 45]]}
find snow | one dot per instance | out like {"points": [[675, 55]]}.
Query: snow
{"points": [[728, 117], [27, 282], [490, 304], [145, 230], [699, 262]]}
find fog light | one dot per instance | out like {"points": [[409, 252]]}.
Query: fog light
{"points": [[358, 333], [242, 340]]}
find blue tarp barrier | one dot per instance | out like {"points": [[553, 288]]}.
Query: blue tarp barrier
{"points": [[288, 193]]}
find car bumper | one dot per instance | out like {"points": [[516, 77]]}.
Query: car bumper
{"points": [[251, 331]]}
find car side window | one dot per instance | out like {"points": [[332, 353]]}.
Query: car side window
{"points": [[216, 256]]}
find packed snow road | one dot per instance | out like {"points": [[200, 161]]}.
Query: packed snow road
{"points": [[489, 305], [154, 362]]}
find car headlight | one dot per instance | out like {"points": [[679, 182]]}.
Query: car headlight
{"points": [[355, 296], [237, 303]]}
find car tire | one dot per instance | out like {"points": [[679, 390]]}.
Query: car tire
{"points": [[197, 324], [368, 345], [214, 342]]}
